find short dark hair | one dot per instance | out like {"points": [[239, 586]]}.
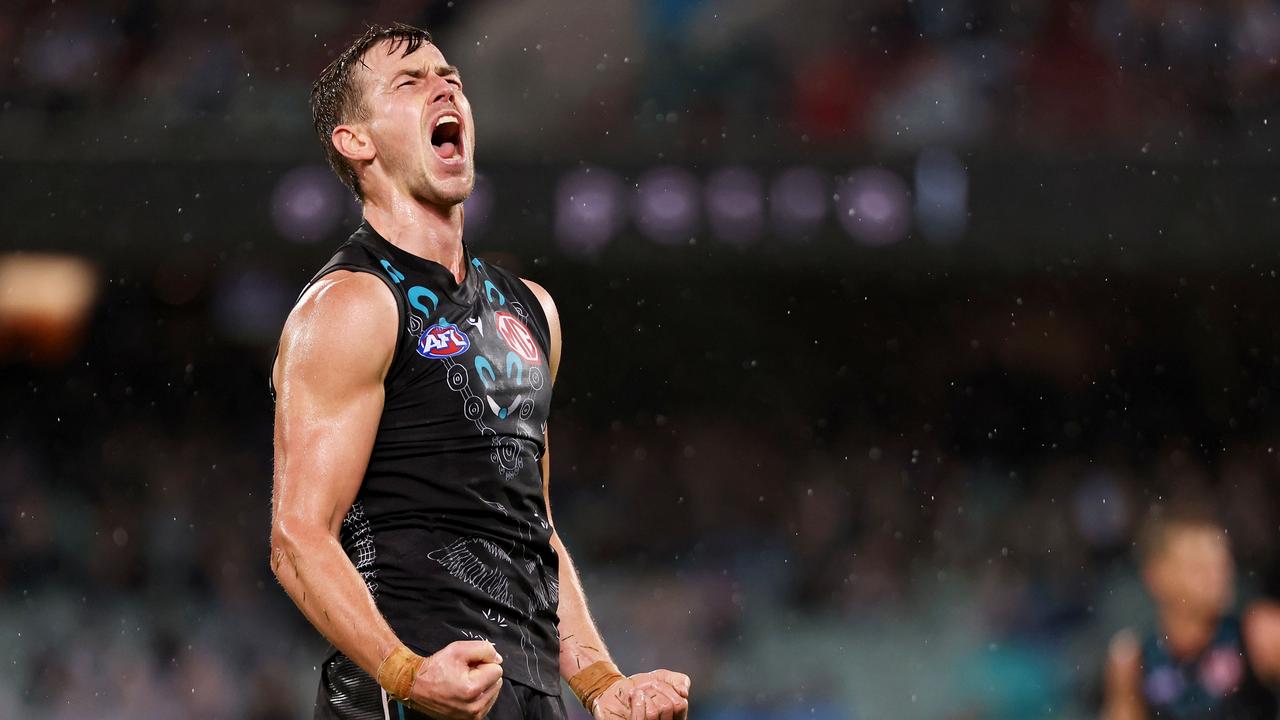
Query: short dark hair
{"points": [[337, 98], [1165, 519]]}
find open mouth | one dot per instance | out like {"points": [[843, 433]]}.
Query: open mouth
{"points": [[446, 138]]}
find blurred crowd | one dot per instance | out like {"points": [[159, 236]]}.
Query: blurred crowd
{"points": [[129, 78], [930, 509]]}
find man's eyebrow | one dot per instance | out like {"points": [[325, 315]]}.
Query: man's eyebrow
{"points": [[417, 72]]}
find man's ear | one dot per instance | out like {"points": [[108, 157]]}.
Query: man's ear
{"points": [[352, 143]]}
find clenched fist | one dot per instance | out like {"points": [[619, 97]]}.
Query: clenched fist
{"points": [[656, 695], [461, 682]]}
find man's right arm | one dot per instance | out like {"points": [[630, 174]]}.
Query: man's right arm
{"points": [[1122, 686], [335, 351]]}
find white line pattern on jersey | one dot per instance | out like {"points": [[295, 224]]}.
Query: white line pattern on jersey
{"points": [[459, 557], [357, 525]]}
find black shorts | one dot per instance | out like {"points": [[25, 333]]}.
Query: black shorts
{"points": [[348, 693]]}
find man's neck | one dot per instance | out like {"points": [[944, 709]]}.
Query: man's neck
{"points": [[428, 231], [1186, 634]]}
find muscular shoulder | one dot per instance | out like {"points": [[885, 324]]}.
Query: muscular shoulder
{"points": [[544, 299], [553, 320], [346, 321]]}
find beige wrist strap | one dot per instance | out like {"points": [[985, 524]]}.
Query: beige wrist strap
{"points": [[591, 682], [397, 671]]}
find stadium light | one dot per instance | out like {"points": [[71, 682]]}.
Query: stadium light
{"points": [[666, 205], [588, 210], [798, 202], [873, 206], [942, 195], [735, 205], [308, 203]]}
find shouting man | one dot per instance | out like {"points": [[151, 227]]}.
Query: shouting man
{"points": [[410, 520]]}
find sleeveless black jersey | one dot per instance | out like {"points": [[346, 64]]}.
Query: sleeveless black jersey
{"points": [[1218, 683], [449, 526]]}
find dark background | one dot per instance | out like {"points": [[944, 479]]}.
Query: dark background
{"points": [[885, 323]]}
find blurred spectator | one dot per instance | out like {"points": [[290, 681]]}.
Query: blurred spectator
{"points": [[693, 76]]}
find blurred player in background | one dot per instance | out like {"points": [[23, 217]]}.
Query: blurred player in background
{"points": [[410, 516], [1204, 658]]}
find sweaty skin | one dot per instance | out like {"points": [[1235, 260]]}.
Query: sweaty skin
{"points": [[335, 352]]}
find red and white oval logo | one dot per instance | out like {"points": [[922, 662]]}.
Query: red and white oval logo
{"points": [[517, 336]]}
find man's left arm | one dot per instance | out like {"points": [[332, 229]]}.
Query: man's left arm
{"points": [[584, 659], [1261, 626]]}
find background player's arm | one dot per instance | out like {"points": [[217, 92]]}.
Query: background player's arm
{"points": [[1122, 686], [334, 355], [1262, 640], [580, 641]]}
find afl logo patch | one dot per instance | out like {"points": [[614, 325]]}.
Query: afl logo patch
{"points": [[442, 341], [517, 336]]}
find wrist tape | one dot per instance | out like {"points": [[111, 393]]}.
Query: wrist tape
{"points": [[397, 671], [593, 680]]}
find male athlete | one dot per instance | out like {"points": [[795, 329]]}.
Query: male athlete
{"points": [[410, 520], [1204, 660]]}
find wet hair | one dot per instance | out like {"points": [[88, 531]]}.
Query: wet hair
{"points": [[336, 96], [1165, 520]]}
